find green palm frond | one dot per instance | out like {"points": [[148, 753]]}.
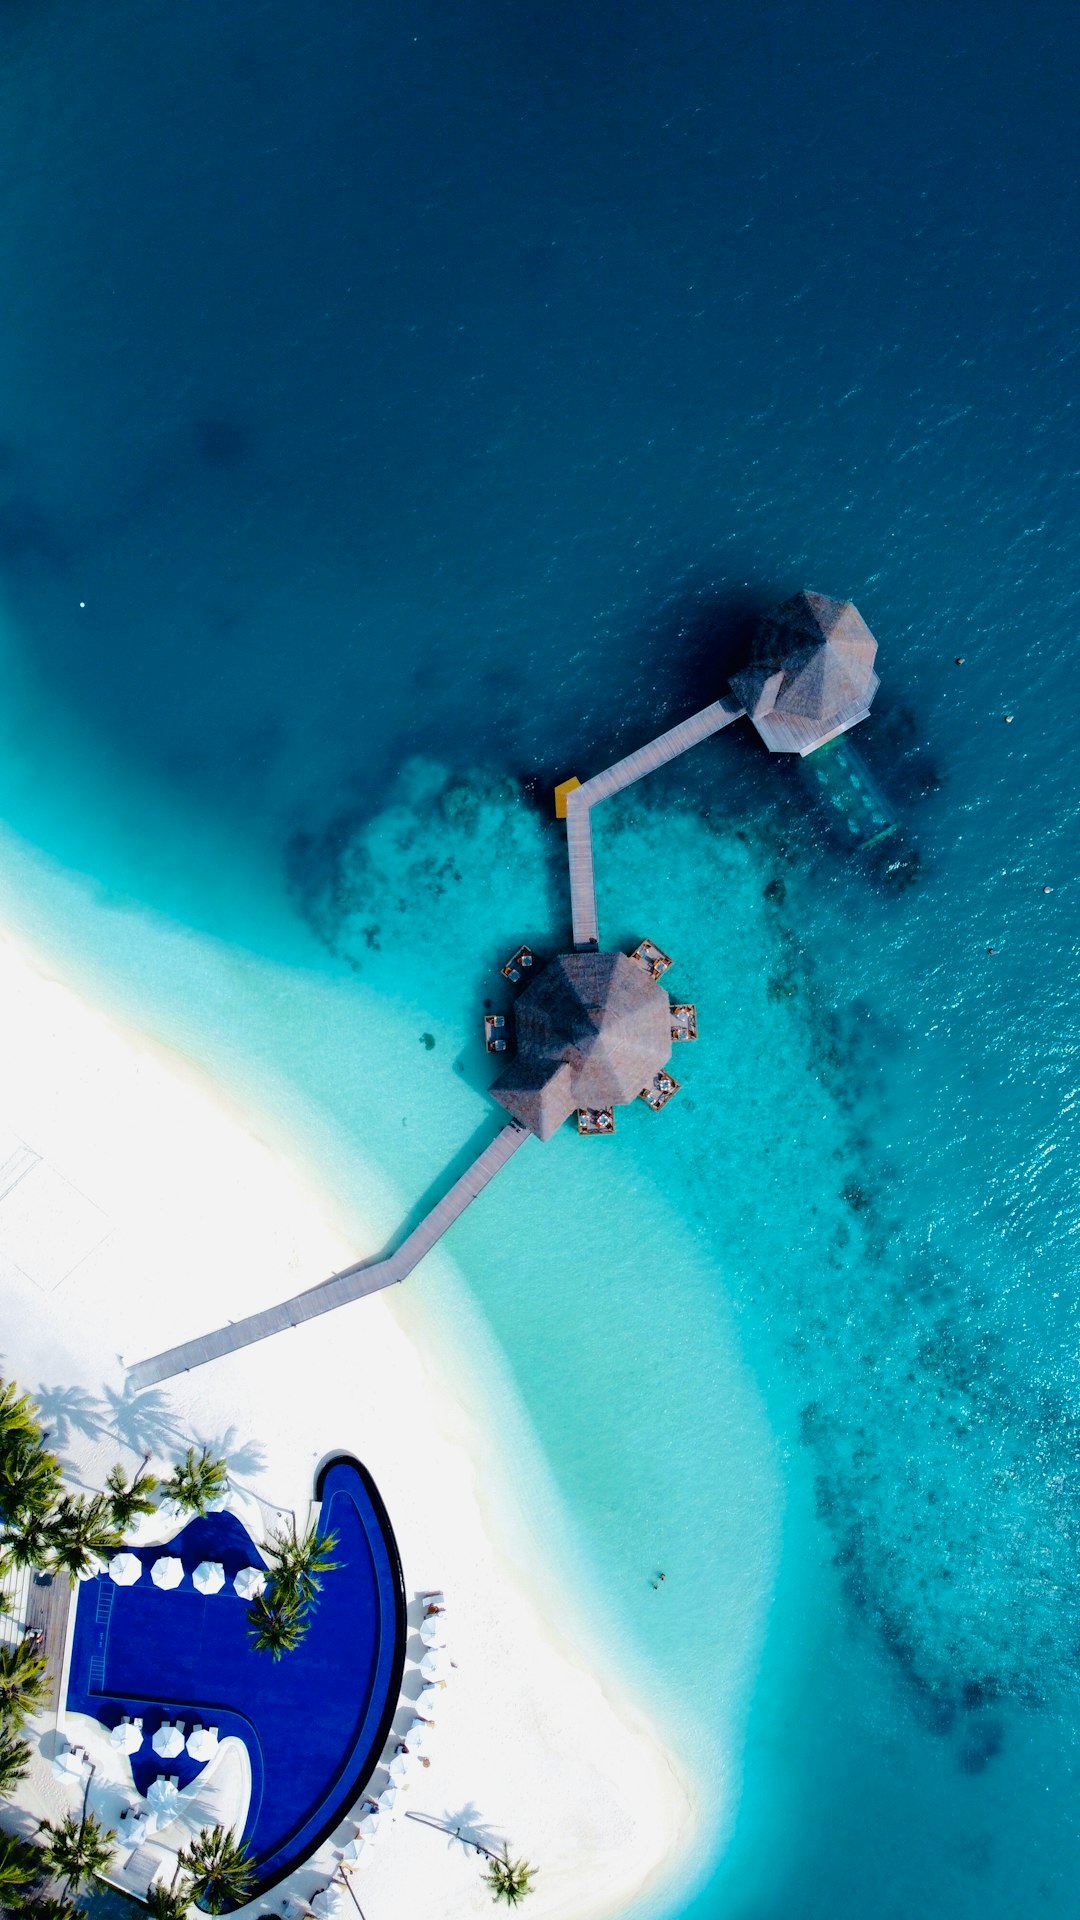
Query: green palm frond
{"points": [[27, 1541], [222, 1870], [127, 1499], [278, 1623], [23, 1682], [30, 1477], [169, 1903], [48, 1906], [19, 1865], [197, 1481], [82, 1533], [509, 1880], [76, 1850], [297, 1563], [14, 1759], [18, 1413]]}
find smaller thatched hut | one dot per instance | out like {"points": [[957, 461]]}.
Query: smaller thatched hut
{"points": [[811, 673]]}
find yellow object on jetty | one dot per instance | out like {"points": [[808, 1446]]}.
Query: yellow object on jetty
{"points": [[561, 791]]}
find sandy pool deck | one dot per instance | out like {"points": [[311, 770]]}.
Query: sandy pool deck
{"points": [[137, 1206]]}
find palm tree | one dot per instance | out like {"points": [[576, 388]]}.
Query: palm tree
{"points": [[128, 1499], [278, 1623], [75, 1850], [23, 1682], [196, 1481], [169, 1903], [18, 1414], [49, 1906], [221, 1868], [297, 1565], [28, 1540], [509, 1880], [19, 1865], [30, 1477], [81, 1534], [14, 1760]]}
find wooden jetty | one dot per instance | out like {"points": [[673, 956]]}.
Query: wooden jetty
{"points": [[39, 1605], [351, 1284], [48, 1609], [581, 800], [811, 677]]}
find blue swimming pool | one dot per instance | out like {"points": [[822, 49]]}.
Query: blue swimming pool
{"points": [[314, 1722]]}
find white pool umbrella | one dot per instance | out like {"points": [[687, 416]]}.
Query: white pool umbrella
{"points": [[250, 1582], [427, 1706], [333, 1903], [127, 1737], [436, 1664], [167, 1572], [433, 1631], [363, 1857], [168, 1742], [418, 1738], [209, 1576], [368, 1827], [68, 1765], [388, 1800], [401, 1768], [203, 1743], [161, 1794], [125, 1569]]}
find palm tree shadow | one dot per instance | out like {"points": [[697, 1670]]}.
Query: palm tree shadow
{"points": [[242, 1456], [142, 1419], [68, 1410], [470, 1829]]}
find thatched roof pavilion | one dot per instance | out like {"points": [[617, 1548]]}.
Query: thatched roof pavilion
{"points": [[811, 673], [592, 1031]]}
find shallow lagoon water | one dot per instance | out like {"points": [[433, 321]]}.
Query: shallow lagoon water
{"points": [[445, 394]]}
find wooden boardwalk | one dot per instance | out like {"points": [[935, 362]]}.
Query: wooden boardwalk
{"points": [[581, 800], [370, 1277], [351, 1284], [48, 1607]]}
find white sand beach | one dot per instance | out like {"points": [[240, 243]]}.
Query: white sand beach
{"points": [[138, 1205]]}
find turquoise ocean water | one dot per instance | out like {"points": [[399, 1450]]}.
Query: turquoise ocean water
{"points": [[402, 409]]}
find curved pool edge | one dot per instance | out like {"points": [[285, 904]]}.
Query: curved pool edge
{"points": [[301, 1846]]}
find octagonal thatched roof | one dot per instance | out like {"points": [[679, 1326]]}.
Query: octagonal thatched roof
{"points": [[811, 675], [592, 1031]]}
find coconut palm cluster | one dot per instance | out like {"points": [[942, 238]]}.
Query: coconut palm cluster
{"points": [[45, 1526], [43, 1880], [296, 1564]]}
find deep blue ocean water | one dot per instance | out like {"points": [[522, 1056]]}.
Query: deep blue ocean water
{"points": [[401, 409]]}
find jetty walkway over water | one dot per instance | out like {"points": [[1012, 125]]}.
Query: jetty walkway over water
{"points": [[351, 1284], [580, 802], [810, 679], [370, 1277]]}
